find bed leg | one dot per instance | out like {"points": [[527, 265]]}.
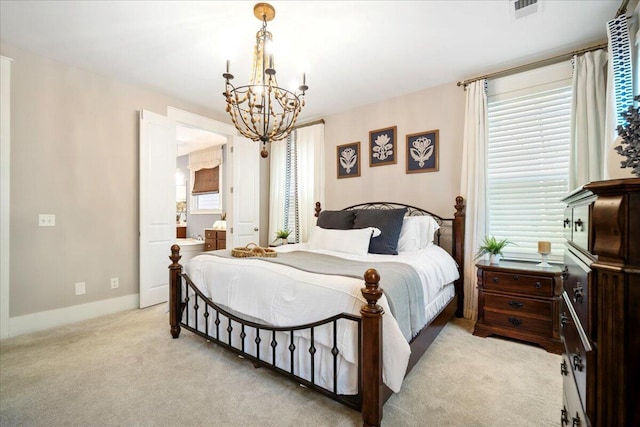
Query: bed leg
{"points": [[175, 291], [458, 251], [371, 351]]}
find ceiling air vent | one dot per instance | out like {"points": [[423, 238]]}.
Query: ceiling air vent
{"points": [[522, 8]]}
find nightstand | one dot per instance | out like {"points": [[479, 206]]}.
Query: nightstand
{"points": [[520, 300], [214, 239]]}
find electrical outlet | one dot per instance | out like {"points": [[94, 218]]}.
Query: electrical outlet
{"points": [[46, 220], [114, 283], [81, 288]]}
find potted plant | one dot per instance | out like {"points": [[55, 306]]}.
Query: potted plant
{"points": [[493, 247], [283, 236]]}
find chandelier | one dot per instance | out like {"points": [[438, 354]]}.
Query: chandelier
{"points": [[261, 110]]}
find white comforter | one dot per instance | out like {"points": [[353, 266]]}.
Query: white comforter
{"points": [[283, 296]]}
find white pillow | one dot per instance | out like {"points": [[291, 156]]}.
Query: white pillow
{"points": [[409, 239], [417, 232], [354, 241]]}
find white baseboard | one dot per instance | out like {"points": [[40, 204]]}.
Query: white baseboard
{"points": [[42, 320]]}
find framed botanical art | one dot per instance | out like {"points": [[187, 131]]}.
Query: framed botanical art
{"points": [[422, 152], [382, 146], [349, 160]]}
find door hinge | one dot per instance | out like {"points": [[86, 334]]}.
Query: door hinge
{"points": [[231, 190], [231, 230], [231, 149]]}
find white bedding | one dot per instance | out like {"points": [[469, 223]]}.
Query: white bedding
{"points": [[283, 296]]}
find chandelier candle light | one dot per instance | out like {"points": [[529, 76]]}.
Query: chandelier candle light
{"points": [[262, 111], [544, 249]]}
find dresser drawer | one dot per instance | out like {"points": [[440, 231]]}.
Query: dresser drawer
{"points": [[209, 234], [572, 413], [578, 350], [517, 305], [517, 321], [580, 226], [210, 246], [518, 283], [576, 285]]}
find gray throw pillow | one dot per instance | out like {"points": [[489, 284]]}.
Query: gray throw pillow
{"points": [[389, 221], [337, 220]]}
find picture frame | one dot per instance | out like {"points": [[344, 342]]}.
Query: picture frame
{"points": [[382, 146], [348, 158], [423, 151]]}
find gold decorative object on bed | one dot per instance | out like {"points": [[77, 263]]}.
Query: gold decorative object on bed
{"points": [[253, 250], [331, 339]]}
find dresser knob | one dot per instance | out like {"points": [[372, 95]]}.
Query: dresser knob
{"points": [[495, 280], [565, 273], [567, 221], [578, 223], [577, 363], [515, 304], [576, 420], [564, 418], [577, 294], [515, 321], [563, 320], [563, 368], [538, 285]]}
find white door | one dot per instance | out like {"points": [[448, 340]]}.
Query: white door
{"points": [[157, 205], [245, 195]]}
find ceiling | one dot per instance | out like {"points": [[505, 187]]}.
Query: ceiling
{"points": [[354, 52]]}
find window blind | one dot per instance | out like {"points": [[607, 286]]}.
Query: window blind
{"points": [[528, 170]]}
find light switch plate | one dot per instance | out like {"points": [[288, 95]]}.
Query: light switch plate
{"points": [[46, 220]]}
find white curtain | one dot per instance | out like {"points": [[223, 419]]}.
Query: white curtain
{"points": [[588, 118], [309, 149], [473, 187], [310, 140]]}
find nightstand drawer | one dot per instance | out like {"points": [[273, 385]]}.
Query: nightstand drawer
{"points": [[209, 234], [518, 283], [532, 325], [518, 304], [210, 246]]}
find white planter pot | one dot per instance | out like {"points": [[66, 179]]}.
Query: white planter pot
{"points": [[494, 259]]}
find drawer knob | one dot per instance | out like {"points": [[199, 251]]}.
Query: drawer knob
{"points": [[563, 320], [515, 321], [577, 363], [564, 418], [563, 369], [577, 293], [578, 223], [495, 280], [538, 285], [567, 221], [576, 420], [515, 304], [565, 273]]}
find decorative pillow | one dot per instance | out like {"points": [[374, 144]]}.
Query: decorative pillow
{"points": [[354, 241], [337, 220], [389, 221]]}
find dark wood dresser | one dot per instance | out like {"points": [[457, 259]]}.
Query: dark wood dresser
{"points": [[214, 239], [520, 300], [600, 307]]}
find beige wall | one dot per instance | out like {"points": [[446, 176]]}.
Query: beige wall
{"points": [[74, 153], [439, 108]]}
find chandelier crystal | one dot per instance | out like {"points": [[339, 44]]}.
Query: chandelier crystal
{"points": [[261, 110]]}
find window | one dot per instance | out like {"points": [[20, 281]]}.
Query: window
{"points": [[206, 175], [528, 160]]}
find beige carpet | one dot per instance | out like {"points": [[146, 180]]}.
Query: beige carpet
{"points": [[125, 370]]}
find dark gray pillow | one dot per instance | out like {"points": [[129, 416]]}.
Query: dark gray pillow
{"points": [[337, 220], [389, 221]]}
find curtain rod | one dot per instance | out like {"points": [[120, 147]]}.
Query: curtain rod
{"points": [[536, 64], [315, 122]]}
